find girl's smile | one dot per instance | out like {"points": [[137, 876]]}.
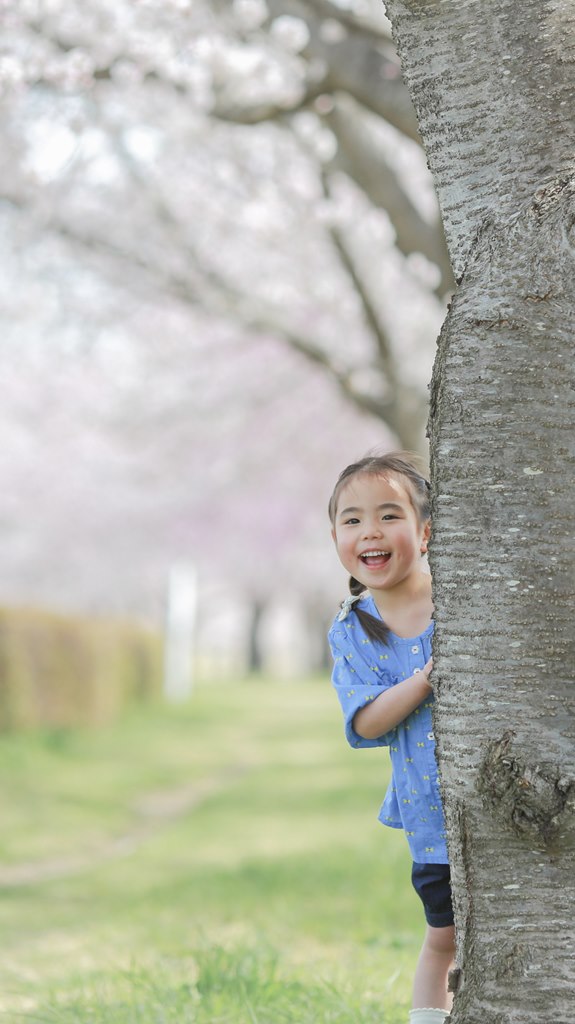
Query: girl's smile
{"points": [[377, 533], [375, 559]]}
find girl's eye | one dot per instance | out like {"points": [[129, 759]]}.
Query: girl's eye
{"points": [[351, 522], [389, 516]]}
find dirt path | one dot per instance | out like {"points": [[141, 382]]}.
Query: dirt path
{"points": [[155, 810]]}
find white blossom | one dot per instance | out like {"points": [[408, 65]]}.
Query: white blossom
{"points": [[289, 32], [250, 14]]}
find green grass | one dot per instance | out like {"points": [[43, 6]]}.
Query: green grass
{"points": [[219, 863]]}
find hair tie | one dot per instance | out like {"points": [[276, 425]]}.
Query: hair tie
{"points": [[347, 605]]}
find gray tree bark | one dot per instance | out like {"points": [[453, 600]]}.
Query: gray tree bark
{"points": [[492, 85]]}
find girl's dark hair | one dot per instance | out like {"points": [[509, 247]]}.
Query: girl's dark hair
{"points": [[393, 464]]}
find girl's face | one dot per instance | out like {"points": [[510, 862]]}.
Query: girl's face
{"points": [[377, 532]]}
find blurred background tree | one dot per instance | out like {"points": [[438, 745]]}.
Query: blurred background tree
{"points": [[224, 275]]}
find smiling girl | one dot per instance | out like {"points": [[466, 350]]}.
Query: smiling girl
{"points": [[381, 645]]}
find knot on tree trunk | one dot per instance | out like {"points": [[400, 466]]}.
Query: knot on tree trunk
{"points": [[533, 800], [454, 979], [513, 961]]}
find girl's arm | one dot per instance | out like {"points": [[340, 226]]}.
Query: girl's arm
{"points": [[393, 705]]}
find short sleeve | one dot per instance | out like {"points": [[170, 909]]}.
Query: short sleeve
{"points": [[356, 681]]}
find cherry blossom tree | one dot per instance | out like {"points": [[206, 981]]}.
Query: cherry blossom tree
{"points": [[255, 176], [225, 278]]}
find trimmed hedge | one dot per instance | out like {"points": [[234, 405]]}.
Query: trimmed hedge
{"points": [[58, 671]]}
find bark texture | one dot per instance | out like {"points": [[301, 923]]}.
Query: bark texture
{"points": [[492, 84]]}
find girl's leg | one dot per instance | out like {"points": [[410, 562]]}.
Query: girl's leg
{"points": [[435, 962]]}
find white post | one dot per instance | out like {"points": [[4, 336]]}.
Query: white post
{"points": [[179, 638]]}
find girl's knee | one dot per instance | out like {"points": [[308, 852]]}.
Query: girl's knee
{"points": [[441, 940]]}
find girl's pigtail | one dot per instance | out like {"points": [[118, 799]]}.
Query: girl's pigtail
{"points": [[356, 591], [374, 628]]}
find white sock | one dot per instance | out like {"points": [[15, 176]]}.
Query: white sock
{"points": [[427, 1016]]}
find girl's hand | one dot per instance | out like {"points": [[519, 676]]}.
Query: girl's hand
{"points": [[427, 670]]}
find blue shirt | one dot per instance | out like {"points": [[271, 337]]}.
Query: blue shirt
{"points": [[363, 669]]}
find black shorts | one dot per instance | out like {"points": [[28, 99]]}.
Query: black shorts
{"points": [[432, 883]]}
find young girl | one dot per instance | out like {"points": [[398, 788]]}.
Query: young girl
{"points": [[381, 644]]}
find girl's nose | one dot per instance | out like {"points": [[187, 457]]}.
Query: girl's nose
{"points": [[373, 529]]}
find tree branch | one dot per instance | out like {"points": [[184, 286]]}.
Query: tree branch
{"points": [[211, 292], [363, 159], [226, 110], [360, 63], [352, 22], [377, 330]]}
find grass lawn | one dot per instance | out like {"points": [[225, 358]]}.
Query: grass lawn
{"points": [[219, 863]]}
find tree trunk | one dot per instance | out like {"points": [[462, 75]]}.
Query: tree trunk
{"points": [[492, 84], [255, 655]]}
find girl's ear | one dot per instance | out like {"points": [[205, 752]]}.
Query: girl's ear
{"points": [[425, 537], [333, 535]]}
